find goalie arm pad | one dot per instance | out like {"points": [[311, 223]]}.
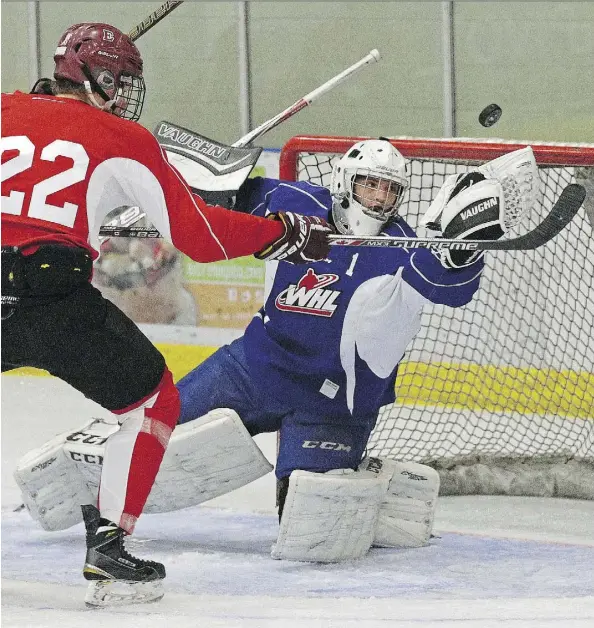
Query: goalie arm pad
{"points": [[407, 510], [207, 457]]}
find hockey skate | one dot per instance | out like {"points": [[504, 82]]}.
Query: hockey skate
{"points": [[117, 578]]}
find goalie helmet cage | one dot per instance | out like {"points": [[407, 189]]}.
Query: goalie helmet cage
{"points": [[497, 395]]}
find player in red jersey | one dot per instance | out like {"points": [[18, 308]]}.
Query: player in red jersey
{"points": [[69, 157]]}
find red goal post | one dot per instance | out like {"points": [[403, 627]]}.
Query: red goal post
{"points": [[498, 395]]}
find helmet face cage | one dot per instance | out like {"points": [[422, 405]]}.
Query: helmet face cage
{"points": [[379, 197], [129, 98]]}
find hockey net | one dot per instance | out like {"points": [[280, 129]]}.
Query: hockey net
{"points": [[497, 395]]}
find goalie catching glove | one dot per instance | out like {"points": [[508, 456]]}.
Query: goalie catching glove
{"points": [[485, 203], [305, 240]]}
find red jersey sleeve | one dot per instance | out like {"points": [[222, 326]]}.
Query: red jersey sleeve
{"points": [[66, 165], [204, 232]]}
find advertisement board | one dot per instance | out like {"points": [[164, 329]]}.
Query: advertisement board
{"points": [[153, 283]]}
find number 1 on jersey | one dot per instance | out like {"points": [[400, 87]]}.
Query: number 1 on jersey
{"points": [[351, 268]]}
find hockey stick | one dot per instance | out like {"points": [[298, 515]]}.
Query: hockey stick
{"points": [[152, 19], [563, 211], [306, 100], [123, 229]]}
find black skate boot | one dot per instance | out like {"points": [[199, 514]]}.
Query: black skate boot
{"points": [[117, 577]]}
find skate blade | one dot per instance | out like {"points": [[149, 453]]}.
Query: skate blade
{"points": [[122, 592]]}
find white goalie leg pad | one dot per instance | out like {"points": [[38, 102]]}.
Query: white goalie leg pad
{"points": [[208, 457], [58, 477], [408, 508], [329, 517]]}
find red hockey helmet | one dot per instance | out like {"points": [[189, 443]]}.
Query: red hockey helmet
{"points": [[105, 61]]}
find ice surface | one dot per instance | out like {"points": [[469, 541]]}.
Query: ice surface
{"points": [[498, 561]]}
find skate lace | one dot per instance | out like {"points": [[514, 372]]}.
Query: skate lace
{"points": [[126, 554], [122, 551]]}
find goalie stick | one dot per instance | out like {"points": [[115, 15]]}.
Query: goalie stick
{"points": [[306, 100], [116, 228], [563, 211]]}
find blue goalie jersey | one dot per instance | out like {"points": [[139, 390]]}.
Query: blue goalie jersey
{"points": [[331, 334]]}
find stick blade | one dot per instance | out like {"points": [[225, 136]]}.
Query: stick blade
{"points": [[563, 212]]}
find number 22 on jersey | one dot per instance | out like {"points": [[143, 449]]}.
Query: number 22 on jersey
{"points": [[38, 206]]}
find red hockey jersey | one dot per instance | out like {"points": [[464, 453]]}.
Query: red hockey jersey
{"points": [[66, 165]]}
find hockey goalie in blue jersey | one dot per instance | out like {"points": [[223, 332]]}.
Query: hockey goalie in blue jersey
{"points": [[321, 358]]}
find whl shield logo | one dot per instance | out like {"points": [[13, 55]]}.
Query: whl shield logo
{"points": [[309, 295]]}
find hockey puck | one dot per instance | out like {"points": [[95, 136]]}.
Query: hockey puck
{"points": [[490, 115]]}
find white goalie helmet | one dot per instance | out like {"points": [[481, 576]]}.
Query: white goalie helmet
{"points": [[368, 185]]}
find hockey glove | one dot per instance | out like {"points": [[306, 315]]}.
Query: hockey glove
{"points": [[305, 240], [474, 212], [485, 203]]}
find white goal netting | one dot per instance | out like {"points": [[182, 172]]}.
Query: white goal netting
{"points": [[490, 392]]}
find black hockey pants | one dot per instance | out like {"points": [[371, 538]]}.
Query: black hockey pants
{"points": [[64, 326]]}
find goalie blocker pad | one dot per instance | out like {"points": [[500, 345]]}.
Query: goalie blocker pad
{"points": [[213, 170], [338, 515], [207, 457]]}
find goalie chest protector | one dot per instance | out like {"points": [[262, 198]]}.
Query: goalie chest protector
{"points": [[343, 324]]}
